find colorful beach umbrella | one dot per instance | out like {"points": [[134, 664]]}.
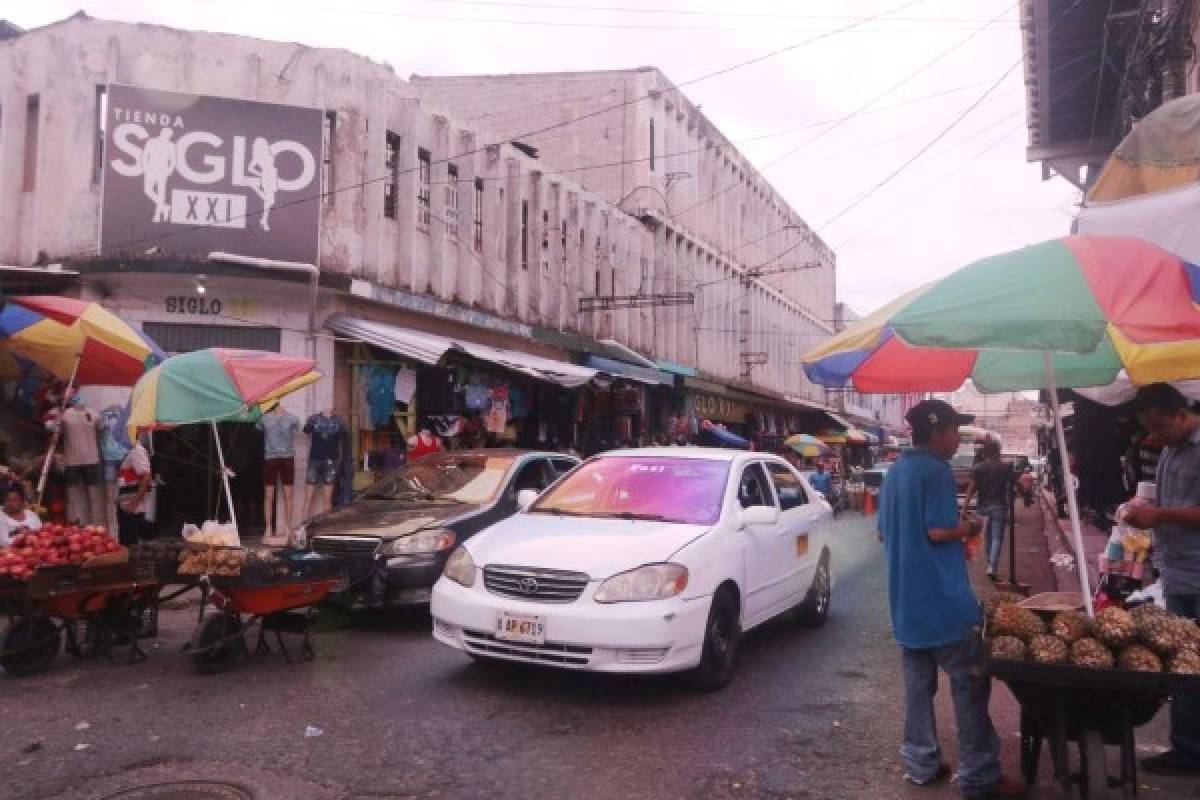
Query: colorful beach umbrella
{"points": [[71, 338], [1099, 304], [214, 385], [1075, 312], [806, 445]]}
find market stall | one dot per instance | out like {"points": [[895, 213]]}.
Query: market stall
{"points": [[1078, 312]]}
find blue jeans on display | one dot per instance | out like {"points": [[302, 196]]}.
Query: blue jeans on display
{"points": [[1185, 708], [997, 523], [978, 744]]}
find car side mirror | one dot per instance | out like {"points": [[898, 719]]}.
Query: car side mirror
{"points": [[758, 515], [525, 498]]}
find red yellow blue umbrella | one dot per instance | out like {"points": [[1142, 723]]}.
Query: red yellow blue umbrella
{"points": [[76, 340]]}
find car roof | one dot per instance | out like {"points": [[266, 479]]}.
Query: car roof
{"points": [[506, 452], [711, 453]]}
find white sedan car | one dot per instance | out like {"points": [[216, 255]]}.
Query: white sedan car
{"points": [[652, 560]]}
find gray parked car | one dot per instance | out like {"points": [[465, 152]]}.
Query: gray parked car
{"points": [[404, 527]]}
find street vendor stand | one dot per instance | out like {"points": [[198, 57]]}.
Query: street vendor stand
{"points": [[1082, 311], [239, 587]]}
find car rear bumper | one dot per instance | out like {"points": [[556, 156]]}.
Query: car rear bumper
{"points": [[650, 637]]}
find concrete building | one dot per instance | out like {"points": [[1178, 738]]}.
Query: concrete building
{"points": [[1013, 416], [456, 236], [638, 140]]}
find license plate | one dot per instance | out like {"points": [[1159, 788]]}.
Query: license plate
{"points": [[524, 628]]}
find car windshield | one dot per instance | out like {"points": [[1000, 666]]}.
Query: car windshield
{"points": [[446, 478], [684, 490]]}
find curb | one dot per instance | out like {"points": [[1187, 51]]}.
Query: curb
{"points": [[1058, 543]]}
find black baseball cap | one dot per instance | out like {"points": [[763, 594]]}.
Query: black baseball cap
{"points": [[929, 415]]}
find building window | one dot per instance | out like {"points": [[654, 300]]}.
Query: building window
{"points": [[477, 238], [652, 145], [391, 166], [101, 131], [424, 188], [452, 202], [524, 234], [32, 117], [328, 129], [545, 241]]}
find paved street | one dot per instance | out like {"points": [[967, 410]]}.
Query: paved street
{"points": [[812, 714]]}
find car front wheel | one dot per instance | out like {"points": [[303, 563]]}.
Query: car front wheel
{"points": [[722, 633]]}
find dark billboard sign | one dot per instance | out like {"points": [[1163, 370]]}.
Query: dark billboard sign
{"points": [[188, 175]]}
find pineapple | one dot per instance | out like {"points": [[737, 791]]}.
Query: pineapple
{"points": [[1137, 658], [1115, 627], [1008, 648], [1145, 611], [1071, 626], [1187, 662], [1012, 620], [1046, 648], [1090, 653], [1164, 634], [1000, 599]]}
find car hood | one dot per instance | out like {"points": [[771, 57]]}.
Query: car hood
{"points": [[385, 519], [598, 547]]}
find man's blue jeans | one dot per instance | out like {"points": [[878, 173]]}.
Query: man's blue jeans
{"points": [[997, 523], [978, 744], [1185, 708]]}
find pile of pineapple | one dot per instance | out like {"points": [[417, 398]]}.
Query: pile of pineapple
{"points": [[1147, 639]]}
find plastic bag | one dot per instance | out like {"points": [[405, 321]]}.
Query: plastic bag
{"points": [[221, 534]]}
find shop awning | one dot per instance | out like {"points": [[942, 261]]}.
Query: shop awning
{"points": [[619, 369], [430, 348]]}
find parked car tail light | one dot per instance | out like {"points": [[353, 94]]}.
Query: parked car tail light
{"points": [[651, 582], [460, 568], [433, 541]]}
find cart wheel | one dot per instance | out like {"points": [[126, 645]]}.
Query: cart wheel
{"points": [[29, 646], [1094, 778], [219, 643]]}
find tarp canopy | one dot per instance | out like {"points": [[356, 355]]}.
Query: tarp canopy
{"points": [[430, 348], [1168, 218]]}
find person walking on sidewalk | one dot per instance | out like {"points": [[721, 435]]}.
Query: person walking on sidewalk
{"points": [[935, 614], [991, 479], [1165, 413]]}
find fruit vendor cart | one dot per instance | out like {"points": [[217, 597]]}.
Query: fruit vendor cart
{"points": [[240, 589], [100, 609], [1061, 704]]}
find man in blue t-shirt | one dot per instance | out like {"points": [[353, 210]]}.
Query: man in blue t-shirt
{"points": [[935, 614]]}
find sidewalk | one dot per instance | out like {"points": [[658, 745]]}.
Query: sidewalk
{"points": [[1059, 543]]}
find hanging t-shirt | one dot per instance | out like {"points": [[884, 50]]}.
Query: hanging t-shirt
{"points": [[478, 396], [112, 448], [406, 385], [326, 431]]}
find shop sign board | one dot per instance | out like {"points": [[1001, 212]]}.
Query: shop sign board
{"points": [[188, 175], [717, 408]]}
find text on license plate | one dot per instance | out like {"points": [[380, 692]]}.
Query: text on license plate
{"points": [[527, 628]]}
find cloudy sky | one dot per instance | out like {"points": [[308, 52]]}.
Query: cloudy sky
{"points": [[937, 76]]}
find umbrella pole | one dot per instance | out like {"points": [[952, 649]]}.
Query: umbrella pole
{"points": [[1069, 487], [224, 472], [54, 437]]}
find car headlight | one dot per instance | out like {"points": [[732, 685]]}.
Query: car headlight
{"points": [[460, 568], [421, 542], [651, 582]]}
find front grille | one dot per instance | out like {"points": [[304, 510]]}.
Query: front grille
{"points": [[486, 644], [528, 583], [641, 655], [346, 545]]}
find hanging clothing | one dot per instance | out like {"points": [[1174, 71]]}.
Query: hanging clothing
{"points": [[113, 438], [405, 385], [381, 393], [423, 444]]}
